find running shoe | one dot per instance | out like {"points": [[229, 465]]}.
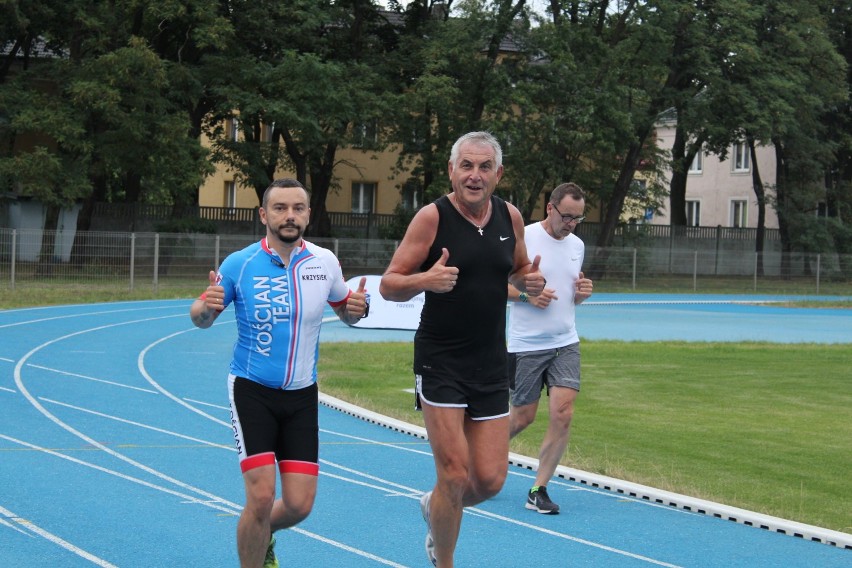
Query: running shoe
{"points": [[430, 543], [270, 561], [538, 500]]}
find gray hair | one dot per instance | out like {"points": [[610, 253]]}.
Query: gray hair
{"points": [[484, 138]]}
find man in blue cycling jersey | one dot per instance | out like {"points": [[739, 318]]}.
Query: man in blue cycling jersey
{"points": [[279, 287]]}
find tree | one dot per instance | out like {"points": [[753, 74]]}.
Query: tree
{"points": [[454, 79], [299, 101], [102, 96]]}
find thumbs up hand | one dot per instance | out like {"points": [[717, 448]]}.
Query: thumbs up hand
{"points": [[214, 297], [442, 278], [534, 280], [582, 288], [356, 305]]}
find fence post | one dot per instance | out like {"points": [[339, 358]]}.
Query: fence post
{"points": [[819, 257], [336, 248], [695, 271], [634, 268], [156, 259], [718, 246], [756, 259], [216, 260], [132, 260], [14, 255]]}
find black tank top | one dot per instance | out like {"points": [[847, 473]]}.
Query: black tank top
{"points": [[463, 332]]}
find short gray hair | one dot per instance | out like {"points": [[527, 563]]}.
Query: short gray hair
{"points": [[481, 137]]}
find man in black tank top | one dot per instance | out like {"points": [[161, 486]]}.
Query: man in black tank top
{"points": [[461, 250]]}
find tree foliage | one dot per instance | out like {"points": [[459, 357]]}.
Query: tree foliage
{"points": [[109, 101]]}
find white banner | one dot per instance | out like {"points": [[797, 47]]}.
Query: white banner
{"points": [[385, 314]]}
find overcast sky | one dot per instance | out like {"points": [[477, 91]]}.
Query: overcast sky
{"points": [[537, 5]]}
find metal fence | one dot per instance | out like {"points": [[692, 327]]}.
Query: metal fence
{"points": [[160, 260]]}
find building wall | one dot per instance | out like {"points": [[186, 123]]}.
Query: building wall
{"points": [[353, 166], [717, 186]]}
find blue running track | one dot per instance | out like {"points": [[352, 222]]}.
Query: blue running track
{"points": [[116, 450]]}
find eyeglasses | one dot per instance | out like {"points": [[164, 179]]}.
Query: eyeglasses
{"points": [[568, 218]]}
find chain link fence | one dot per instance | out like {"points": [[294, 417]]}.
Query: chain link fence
{"points": [[133, 261]]}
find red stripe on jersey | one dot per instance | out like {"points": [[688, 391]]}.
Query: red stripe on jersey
{"points": [[341, 302]]}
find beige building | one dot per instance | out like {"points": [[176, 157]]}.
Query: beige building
{"points": [[719, 192], [365, 180]]}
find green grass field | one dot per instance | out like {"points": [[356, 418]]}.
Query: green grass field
{"points": [[765, 427], [760, 426]]}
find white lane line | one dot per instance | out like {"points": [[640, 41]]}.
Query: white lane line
{"points": [[86, 314], [138, 424], [38, 406], [30, 526], [213, 498], [219, 504], [140, 364], [377, 443], [88, 378], [210, 404], [413, 493]]}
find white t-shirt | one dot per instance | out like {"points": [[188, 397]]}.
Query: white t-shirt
{"points": [[531, 328]]}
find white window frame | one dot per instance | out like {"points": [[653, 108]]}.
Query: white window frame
{"points": [[693, 213], [366, 134], [361, 191], [697, 165], [234, 130], [739, 213], [410, 197], [740, 157], [231, 196], [268, 129]]}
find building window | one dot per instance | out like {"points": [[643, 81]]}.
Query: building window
{"points": [[411, 195], [233, 130], [231, 195], [366, 134], [697, 165], [362, 197], [693, 213], [822, 209], [739, 214], [741, 157], [268, 129]]}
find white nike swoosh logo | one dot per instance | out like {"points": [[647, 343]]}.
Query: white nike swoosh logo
{"points": [[503, 238]]}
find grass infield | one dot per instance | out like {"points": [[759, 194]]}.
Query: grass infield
{"points": [[761, 426]]}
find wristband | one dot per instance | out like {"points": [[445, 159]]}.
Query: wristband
{"points": [[524, 297]]}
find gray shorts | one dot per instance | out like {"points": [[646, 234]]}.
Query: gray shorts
{"points": [[531, 371]]}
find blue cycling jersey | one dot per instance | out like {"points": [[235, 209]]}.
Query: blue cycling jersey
{"points": [[279, 308]]}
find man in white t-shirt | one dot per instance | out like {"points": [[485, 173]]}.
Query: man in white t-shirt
{"points": [[544, 347]]}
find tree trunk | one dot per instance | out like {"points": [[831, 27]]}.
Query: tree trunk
{"points": [[677, 186], [322, 172], [781, 199], [760, 194]]}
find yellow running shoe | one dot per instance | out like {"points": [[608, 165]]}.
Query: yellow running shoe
{"points": [[270, 561]]}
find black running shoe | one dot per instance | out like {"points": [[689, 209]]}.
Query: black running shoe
{"points": [[538, 500]]}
